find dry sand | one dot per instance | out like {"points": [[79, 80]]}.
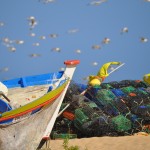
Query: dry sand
{"points": [[136, 142]]}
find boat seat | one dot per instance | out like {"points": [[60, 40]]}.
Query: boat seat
{"points": [[4, 106]]}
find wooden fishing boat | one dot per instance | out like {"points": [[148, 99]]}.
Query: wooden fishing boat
{"points": [[29, 111]]}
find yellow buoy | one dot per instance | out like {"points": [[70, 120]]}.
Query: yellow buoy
{"points": [[94, 82], [146, 78]]}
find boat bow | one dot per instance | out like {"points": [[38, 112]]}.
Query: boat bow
{"points": [[24, 127]]}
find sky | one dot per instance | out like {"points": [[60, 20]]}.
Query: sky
{"points": [[74, 29]]}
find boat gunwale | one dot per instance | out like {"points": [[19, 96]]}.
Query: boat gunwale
{"points": [[37, 104]]}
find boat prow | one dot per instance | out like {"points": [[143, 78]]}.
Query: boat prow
{"points": [[25, 126]]}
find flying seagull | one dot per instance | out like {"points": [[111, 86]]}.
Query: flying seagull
{"points": [[1, 24], [53, 35], [42, 37], [143, 39], [73, 31], [34, 55], [97, 3], [56, 49], [106, 41], [96, 47], [46, 1], [124, 30], [32, 34], [19, 41], [5, 69], [36, 44], [94, 63], [12, 49], [32, 22], [78, 51]]}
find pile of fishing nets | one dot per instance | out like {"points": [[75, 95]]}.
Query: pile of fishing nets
{"points": [[112, 109]]}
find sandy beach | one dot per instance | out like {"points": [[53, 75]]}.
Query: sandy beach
{"points": [[136, 142]]}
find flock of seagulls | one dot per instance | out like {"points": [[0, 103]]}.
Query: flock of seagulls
{"points": [[32, 22], [95, 3], [10, 44]]}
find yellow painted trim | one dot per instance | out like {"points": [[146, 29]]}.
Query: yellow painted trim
{"points": [[37, 102]]}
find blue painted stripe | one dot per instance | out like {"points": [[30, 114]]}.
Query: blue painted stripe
{"points": [[33, 80]]}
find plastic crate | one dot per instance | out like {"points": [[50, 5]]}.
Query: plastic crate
{"points": [[64, 136], [121, 123], [129, 89], [80, 115], [118, 92]]}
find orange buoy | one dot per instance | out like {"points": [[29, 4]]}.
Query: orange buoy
{"points": [[69, 115]]}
